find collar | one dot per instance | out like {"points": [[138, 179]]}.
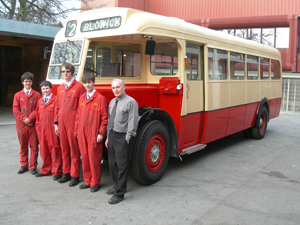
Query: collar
{"points": [[123, 96], [70, 82], [48, 97], [91, 94], [27, 90]]}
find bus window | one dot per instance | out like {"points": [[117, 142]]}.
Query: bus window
{"points": [[217, 64], [275, 69], [252, 67], [114, 60], [193, 55], [89, 62], [103, 56], [237, 66], [165, 59], [264, 69], [65, 52]]}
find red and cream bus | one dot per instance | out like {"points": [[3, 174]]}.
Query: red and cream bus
{"points": [[193, 85]]}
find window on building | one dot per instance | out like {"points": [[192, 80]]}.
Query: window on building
{"points": [[282, 37], [274, 37]]}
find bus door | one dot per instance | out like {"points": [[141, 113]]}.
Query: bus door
{"points": [[194, 96]]}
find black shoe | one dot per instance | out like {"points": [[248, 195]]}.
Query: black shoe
{"points": [[65, 177], [39, 174], [22, 170], [74, 181], [115, 200], [84, 186], [33, 171], [56, 177], [110, 191], [95, 188]]}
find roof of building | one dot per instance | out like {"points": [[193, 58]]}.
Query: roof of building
{"points": [[27, 30]]}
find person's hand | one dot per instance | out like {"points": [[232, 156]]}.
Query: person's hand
{"points": [[56, 130], [27, 121], [99, 138], [106, 143], [127, 141]]}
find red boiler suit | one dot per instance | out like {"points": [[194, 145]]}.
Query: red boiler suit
{"points": [[91, 120], [24, 107], [49, 142], [65, 115]]}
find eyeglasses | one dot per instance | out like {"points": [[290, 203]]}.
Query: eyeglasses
{"points": [[65, 71], [27, 81]]}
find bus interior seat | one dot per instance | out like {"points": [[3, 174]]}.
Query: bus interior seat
{"points": [[110, 70]]}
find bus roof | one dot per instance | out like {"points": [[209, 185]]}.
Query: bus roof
{"points": [[140, 22]]}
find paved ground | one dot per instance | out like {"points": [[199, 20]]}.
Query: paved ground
{"points": [[233, 181]]}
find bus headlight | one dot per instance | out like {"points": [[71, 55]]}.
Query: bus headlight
{"points": [[179, 87]]}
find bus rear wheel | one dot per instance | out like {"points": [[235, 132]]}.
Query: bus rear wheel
{"points": [[151, 153], [260, 127]]}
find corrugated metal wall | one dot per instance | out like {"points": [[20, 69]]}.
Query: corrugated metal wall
{"points": [[195, 9], [134, 4]]}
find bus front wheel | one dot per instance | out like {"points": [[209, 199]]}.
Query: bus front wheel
{"points": [[260, 127], [151, 153]]}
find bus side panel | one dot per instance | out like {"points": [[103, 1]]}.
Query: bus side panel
{"points": [[193, 129], [215, 125], [236, 119], [274, 105], [171, 103], [250, 115]]}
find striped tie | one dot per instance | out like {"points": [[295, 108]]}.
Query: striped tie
{"points": [[66, 86], [87, 97], [45, 101], [27, 93]]}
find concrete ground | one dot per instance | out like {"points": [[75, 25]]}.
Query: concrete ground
{"points": [[233, 181]]}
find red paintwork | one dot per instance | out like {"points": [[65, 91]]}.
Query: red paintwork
{"points": [[217, 124], [221, 123]]}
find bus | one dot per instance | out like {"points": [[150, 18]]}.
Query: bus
{"points": [[193, 85]]}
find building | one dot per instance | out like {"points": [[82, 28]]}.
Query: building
{"points": [[23, 47]]}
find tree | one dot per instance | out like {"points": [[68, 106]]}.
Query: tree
{"points": [[49, 12]]}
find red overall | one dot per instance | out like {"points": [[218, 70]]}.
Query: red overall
{"points": [[91, 120], [24, 107], [65, 114], [49, 142]]}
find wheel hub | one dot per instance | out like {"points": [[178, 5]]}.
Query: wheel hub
{"points": [[154, 153]]}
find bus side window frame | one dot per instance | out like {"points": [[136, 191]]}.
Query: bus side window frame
{"points": [[200, 63]]}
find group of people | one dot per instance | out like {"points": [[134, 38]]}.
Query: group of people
{"points": [[72, 124]]}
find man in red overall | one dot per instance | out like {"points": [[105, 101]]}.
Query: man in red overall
{"points": [[24, 106], [49, 142], [90, 129], [68, 95]]}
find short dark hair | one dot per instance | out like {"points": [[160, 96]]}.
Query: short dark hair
{"points": [[46, 83], [88, 76], [68, 66], [28, 76]]}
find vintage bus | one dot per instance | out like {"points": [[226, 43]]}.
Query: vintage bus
{"points": [[193, 85]]}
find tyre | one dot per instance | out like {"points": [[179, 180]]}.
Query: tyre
{"points": [[261, 123], [247, 133], [151, 153]]}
